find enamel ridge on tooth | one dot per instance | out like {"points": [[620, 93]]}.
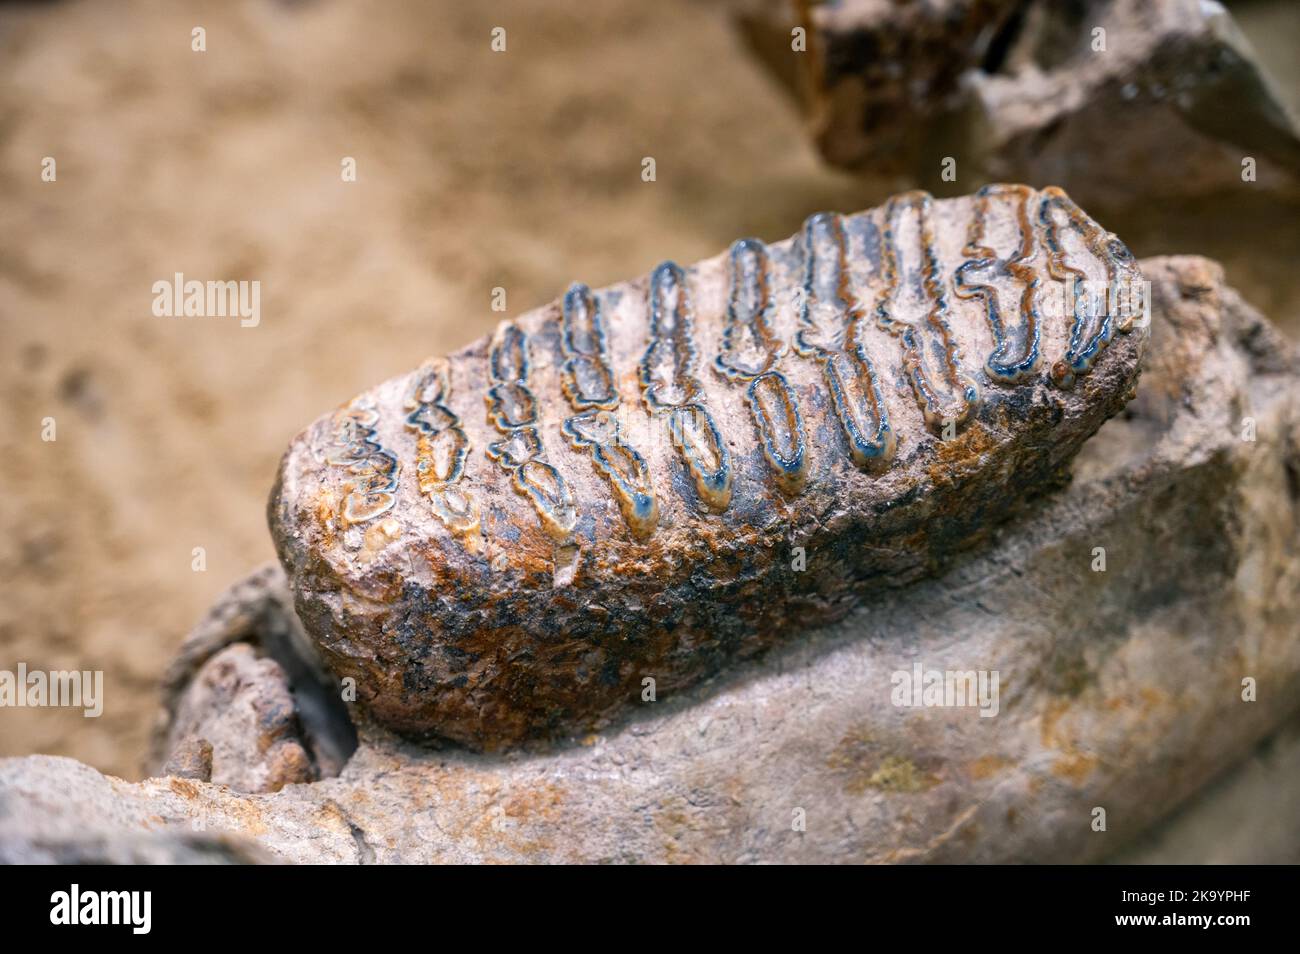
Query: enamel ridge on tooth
{"points": [[931, 356], [442, 448], [1096, 317], [1017, 333], [589, 386], [512, 409], [830, 329], [371, 488], [669, 385], [750, 352]]}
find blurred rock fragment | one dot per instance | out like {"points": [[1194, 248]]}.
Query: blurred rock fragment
{"points": [[245, 702], [1115, 101]]}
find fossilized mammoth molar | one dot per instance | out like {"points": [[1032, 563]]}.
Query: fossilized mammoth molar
{"points": [[620, 493]]}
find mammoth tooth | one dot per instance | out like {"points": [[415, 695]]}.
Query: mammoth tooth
{"points": [[630, 516]]}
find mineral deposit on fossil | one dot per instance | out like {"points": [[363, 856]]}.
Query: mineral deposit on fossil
{"points": [[874, 394]]}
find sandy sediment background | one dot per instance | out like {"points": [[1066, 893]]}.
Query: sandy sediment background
{"points": [[475, 170]]}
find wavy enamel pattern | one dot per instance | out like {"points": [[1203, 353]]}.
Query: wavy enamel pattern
{"points": [[944, 391], [1013, 317], [441, 449], [670, 387], [373, 471], [750, 352], [589, 387], [829, 332], [512, 409], [1093, 324]]}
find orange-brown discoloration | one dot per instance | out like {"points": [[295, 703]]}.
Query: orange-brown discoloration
{"points": [[184, 788], [1074, 767], [986, 766], [962, 456]]}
